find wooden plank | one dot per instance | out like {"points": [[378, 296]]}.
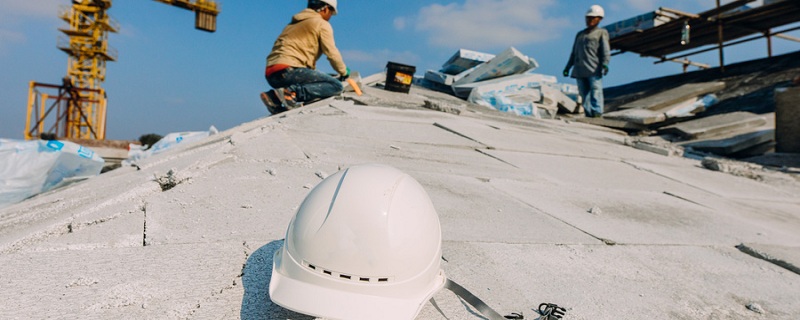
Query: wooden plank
{"points": [[638, 116], [713, 125], [675, 96], [731, 145], [613, 123]]}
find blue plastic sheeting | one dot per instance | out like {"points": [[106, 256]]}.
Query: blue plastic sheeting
{"points": [[28, 168], [168, 142]]}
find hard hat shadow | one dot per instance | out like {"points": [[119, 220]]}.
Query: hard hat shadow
{"points": [[256, 277]]}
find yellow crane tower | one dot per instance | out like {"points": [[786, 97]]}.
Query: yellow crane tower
{"points": [[76, 108]]}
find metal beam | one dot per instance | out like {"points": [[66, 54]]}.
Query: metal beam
{"points": [[680, 13], [206, 12], [685, 62], [721, 39], [730, 44], [787, 37], [715, 13]]}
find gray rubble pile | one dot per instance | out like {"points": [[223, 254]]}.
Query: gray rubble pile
{"points": [[673, 116]]}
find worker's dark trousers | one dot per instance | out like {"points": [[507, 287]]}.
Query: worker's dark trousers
{"points": [[309, 85], [591, 91]]}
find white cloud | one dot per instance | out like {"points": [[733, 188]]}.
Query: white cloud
{"points": [[616, 11], [15, 12], [483, 24], [8, 38], [399, 23], [376, 60], [31, 8], [642, 5]]}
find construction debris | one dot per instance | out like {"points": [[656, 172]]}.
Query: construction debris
{"points": [[736, 144], [464, 60], [444, 107], [662, 112], [714, 125], [742, 169], [655, 145], [168, 142], [675, 96], [32, 167], [505, 82], [507, 63]]}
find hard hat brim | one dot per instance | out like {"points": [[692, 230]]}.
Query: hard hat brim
{"points": [[319, 301]]}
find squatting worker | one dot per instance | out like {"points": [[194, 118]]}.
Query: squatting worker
{"points": [[590, 56], [291, 66]]}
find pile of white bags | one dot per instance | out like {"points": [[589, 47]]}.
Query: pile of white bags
{"points": [[28, 168]]}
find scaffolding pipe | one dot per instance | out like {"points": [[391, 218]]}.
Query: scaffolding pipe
{"points": [[726, 45], [721, 40]]}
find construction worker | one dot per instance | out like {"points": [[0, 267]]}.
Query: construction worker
{"points": [[590, 56], [291, 66]]}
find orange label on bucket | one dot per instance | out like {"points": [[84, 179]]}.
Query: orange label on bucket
{"points": [[403, 78]]}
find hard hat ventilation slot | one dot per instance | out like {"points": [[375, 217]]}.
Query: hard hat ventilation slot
{"points": [[343, 276]]}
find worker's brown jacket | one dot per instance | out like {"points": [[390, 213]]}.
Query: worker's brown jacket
{"points": [[304, 41]]}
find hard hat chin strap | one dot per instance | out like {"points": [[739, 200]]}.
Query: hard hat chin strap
{"points": [[550, 311]]}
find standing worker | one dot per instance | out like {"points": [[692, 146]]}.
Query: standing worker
{"points": [[291, 66], [590, 56]]}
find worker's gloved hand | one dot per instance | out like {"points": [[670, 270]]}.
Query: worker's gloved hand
{"points": [[566, 72], [345, 76], [605, 69]]}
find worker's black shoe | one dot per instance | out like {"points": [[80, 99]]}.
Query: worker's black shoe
{"points": [[272, 102]]}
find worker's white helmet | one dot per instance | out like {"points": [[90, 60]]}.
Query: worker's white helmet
{"points": [[596, 11], [364, 244], [332, 3]]}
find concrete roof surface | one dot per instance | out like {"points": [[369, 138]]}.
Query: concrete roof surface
{"points": [[531, 211]]}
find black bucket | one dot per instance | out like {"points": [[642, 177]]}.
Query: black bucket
{"points": [[399, 77]]}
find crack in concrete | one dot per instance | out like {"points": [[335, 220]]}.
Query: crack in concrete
{"points": [[684, 199], [70, 226], [607, 242], [246, 256], [635, 166], [144, 226], [438, 125], [233, 284], [496, 158], [766, 257]]}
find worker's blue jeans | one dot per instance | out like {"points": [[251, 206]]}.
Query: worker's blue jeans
{"points": [[591, 91], [309, 85]]}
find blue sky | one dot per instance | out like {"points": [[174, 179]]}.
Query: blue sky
{"points": [[170, 77]]}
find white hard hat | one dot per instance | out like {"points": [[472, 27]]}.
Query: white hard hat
{"points": [[596, 11], [332, 3], [365, 244]]}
